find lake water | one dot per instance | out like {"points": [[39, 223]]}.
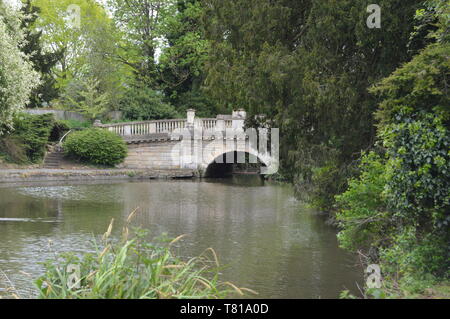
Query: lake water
{"points": [[267, 240]]}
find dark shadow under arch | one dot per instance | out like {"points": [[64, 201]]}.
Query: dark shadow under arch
{"points": [[221, 168]]}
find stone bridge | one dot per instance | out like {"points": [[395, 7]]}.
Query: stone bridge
{"points": [[200, 144]]}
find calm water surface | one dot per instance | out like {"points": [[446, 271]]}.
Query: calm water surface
{"points": [[269, 241]]}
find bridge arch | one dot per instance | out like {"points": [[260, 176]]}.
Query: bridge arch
{"points": [[225, 163]]}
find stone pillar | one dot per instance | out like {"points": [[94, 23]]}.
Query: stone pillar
{"points": [[97, 123], [239, 119], [190, 118], [127, 130], [220, 123], [152, 128], [242, 113]]}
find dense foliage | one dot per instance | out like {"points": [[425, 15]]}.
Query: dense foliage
{"points": [[143, 103], [399, 207], [27, 143], [363, 207], [96, 146], [182, 61], [17, 77], [43, 62], [88, 41], [308, 65]]}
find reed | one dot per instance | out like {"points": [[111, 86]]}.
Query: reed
{"points": [[135, 269]]}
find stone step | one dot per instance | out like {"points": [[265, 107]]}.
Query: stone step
{"points": [[53, 159]]}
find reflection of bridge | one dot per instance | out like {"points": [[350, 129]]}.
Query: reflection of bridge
{"points": [[197, 143]]}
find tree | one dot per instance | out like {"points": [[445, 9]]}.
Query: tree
{"points": [[88, 100], [17, 77], [89, 46], [43, 62], [399, 206], [143, 104], [141, 22], [308, 65], [182, 60]]}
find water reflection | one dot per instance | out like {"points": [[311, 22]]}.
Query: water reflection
{"points": [[269, 241]]}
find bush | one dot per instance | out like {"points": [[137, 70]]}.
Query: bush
{"points": [[362, 212], [58, 131], [415, 121], [400, 206], [30, 137], [96, 146], [13, 150]]}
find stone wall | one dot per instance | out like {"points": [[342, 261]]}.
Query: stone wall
{"points": [[67, 115], [59, 114], [170, 154], [156, 155]]}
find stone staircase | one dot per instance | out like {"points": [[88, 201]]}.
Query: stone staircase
{"points": [[53, 159]]}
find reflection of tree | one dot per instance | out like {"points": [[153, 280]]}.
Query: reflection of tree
{"points": [[15, 205], [268, 241]]}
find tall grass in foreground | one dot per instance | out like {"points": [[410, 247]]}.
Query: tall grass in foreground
{"points": [[135, 269]]}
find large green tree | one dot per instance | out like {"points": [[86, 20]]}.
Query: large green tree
{"points": [[182, 61], [308, 65], [43, 62], [84, 32], [142, 24]]}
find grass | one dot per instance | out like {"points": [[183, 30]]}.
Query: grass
{"points": [[135, 269]]}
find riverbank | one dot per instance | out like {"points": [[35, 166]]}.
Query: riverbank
{"points": [[45, 175]]}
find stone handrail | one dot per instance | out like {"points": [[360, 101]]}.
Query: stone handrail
{"points": [[236, 121], [228, 123], [209, 124], [144, 127]]}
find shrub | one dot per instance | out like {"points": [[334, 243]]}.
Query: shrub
{"points": [[362, 208], [12, 148], [30, 137], [415, 121], [401, 206], [96, 146]]}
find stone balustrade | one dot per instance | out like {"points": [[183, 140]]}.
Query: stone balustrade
{"points": [[221, 122]]}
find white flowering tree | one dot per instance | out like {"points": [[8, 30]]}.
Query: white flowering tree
{"points": [[17, 77]]}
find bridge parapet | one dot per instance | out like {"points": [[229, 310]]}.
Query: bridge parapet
{"points": [[220, 123]]}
